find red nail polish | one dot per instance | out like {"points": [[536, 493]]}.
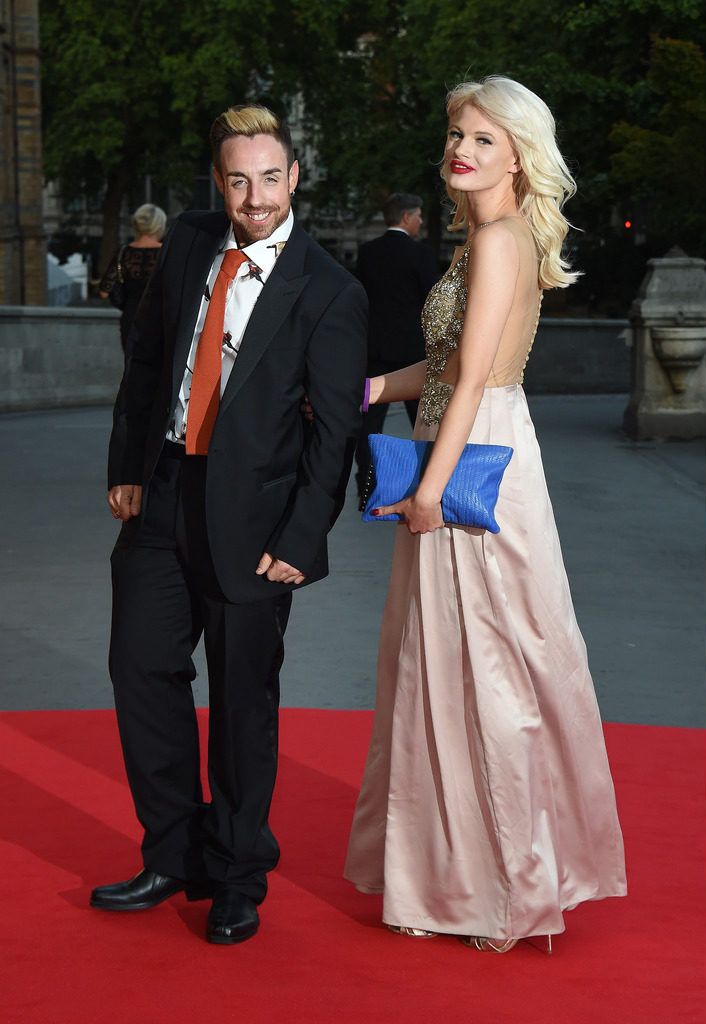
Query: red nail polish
{"points": [[375, 512]]}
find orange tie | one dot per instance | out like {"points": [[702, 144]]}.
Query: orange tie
{"points": [[206, 380]]}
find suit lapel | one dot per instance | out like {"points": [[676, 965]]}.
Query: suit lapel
{"points": [[199, 259], [281, 290]]}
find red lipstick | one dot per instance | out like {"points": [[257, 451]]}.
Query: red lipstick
{"points": [[456, 167]]}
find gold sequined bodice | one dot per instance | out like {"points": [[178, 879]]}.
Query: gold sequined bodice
{"points": [[442, 322]]}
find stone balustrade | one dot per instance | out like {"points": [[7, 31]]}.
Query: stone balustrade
{"points": [[53, 357]]}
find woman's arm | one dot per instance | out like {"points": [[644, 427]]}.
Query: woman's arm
{"points": [[492, 277], [109, 277], [400, 386]]}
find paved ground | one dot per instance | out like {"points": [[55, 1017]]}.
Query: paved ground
{"points": [[630, 518]]}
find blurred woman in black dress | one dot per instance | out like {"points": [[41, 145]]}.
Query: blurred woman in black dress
{"points": [[130, 268]]}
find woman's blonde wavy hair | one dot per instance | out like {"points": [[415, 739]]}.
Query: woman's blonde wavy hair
{"points": [[543, 183]]}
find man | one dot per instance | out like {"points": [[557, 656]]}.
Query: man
{"points": [[397, 274], [226, 496]]}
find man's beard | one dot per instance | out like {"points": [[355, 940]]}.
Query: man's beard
{"points": [[247, 231]]}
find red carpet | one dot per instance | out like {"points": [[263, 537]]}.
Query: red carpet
{"points": [[321, 956]]}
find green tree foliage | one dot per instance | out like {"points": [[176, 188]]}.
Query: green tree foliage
{"points": [[660, 163], [131, 88], [376, 102]]}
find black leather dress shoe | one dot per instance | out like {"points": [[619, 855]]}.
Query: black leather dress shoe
{"points": [[145, 890], [232, 918]]}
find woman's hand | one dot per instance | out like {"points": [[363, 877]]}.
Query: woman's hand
{"points": [[373, 391], [420, 516]]}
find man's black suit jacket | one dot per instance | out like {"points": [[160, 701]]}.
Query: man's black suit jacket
{"points": [[397, 273], [274, 483]]}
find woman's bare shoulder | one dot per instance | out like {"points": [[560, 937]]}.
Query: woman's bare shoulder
{"points": [[495, 245], [509, 240]]}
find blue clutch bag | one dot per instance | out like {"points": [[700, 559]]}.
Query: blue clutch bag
{"points": [[470, 495]]}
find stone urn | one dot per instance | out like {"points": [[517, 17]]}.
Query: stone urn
{"points": [[668, 320], [680, 351]]}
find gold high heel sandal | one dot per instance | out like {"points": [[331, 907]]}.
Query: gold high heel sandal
{"points": [[486, 945], [414, 933]]}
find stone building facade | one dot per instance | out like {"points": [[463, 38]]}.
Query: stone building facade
{"points": [[23, 272]]}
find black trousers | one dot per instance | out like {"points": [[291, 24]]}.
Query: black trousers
{"points": [[165, 595], [374, 420]]}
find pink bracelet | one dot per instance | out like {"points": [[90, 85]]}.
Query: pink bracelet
{"points": [[366, 396]]}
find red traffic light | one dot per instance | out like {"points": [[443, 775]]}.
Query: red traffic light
{"points": [[627, 224]]}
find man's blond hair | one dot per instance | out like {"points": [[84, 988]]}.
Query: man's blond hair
{"points": [[249, 119]]}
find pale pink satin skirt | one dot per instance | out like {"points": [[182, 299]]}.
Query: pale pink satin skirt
{"points": [[487, 805]]}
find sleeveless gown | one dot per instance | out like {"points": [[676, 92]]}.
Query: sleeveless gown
{"points": [[487, 806]]}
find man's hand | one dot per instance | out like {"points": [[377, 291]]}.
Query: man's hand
{"points": [[307, 410], [278, 571], [125, 501]]}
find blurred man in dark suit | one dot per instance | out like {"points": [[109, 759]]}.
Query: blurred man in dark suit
{"points": [[397, 273]]}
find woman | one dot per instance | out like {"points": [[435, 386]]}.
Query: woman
{"points": [[129, 270], [487, 806]]}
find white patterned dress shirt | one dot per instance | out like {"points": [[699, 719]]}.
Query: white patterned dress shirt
{"points": [[243, 292]]}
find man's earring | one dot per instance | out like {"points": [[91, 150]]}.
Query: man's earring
{"points": [[292, 192]]}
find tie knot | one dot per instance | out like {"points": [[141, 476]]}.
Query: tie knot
{"points": [[232, 259]]}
